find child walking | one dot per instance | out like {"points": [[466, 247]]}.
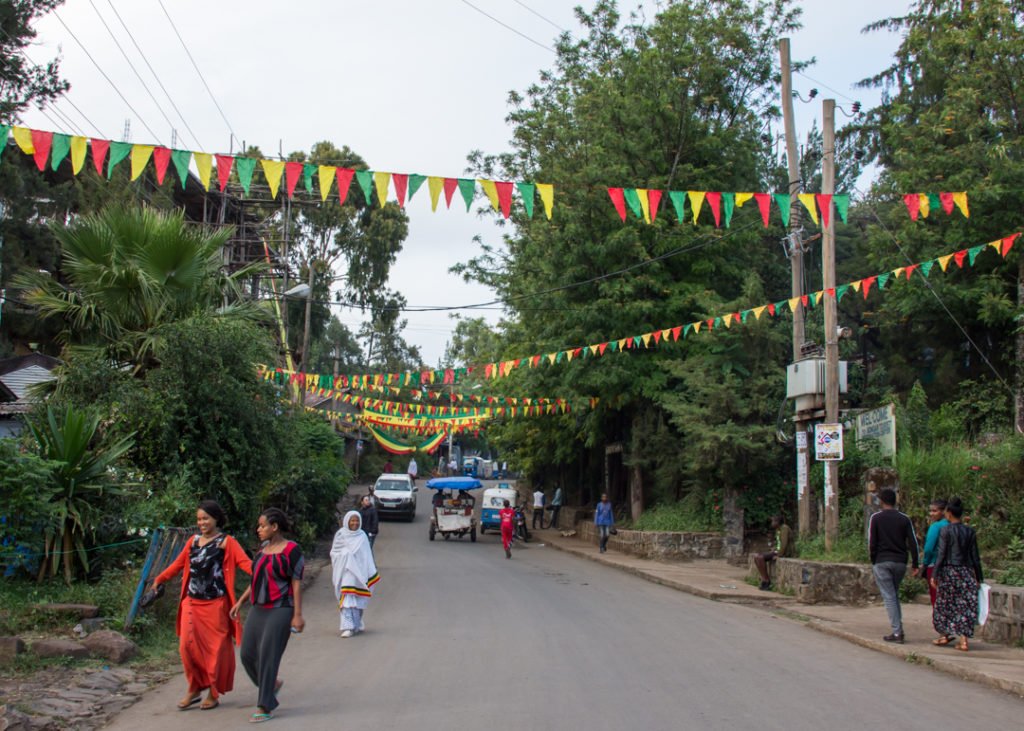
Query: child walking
{"points": [[353, 571]]}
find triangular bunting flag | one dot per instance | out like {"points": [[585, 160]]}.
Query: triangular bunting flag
{"points": [[913, 203], [415, 181], [714, 203], [504, 191], [526, 194], [140, 157], [325, 178], [973, 252], [161, 159], [467, 187], [678, 199], [944, 261], [491, 191], [742, 198], [696, 201], [958, 257], [825, 204], [292, 171], [808, 200], [645, 203], [23, 136], [58, 150], [434, 187], [272, 171], [547, 197], [764, 202], [364, 179], [946, 201], [633, 201], [926, 267], [1008, 244], [118, 152], [793, 302], [783, 202], [450, 186], [758, 311], [244, 166], [224, 165], [868, 281], [401, 181], [180, 158], [381, 182], [924, 202], [653, 200], [41, 142], [842, 205], [960, 199], [728, 204], [840, 291]]}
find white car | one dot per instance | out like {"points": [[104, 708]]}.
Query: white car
{"points": [[396, 496]]}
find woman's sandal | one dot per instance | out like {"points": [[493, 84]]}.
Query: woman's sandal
{"points": [[185, 703], [209, 704], [962, 647], [942, 641], [260, 717]]}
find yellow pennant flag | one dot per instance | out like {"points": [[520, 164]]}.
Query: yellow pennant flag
{"points": [[435, 185], [758, 311], [646, 337], [622, 344], [645, 203], [997, 245], [696, 326], [817, 297], [696, 201], [727, 320], [856, 285], [547, 196], [944, 261], [551, 357], [23, 136], [204, 163], [960, 199], [140, 156], [381, 181], [326, 173], [742, 198], [272, 171], [665, 333], [491, 190], [79, 146], [793, 304], [568, 355], [897, 272], [924, 205], [593, 349], [808, 200]]}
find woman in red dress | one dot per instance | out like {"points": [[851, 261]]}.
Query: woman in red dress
{"points": [[508, 517], [206, 631]]}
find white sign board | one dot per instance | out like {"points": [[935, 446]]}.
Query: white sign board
{"points": [[828, 442], [880, 425]]}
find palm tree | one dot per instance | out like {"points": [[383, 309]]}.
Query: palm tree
{"points": [[132, 271]]}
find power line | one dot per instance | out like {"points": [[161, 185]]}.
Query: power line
{"points": [[104, 74], [505, 25], [195, 137], [75, 129], [57, 125], [132, 66], [80, 112], [822, 83], [196, 67], [546, 20]]}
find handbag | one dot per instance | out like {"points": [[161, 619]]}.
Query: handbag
{"points": [[612, 531], [983, 591]]}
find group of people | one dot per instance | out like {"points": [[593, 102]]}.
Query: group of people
{"points": [[540, 505], [951, 565], [208, 614]]}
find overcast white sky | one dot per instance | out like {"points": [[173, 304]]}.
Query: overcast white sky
{"points": [[411, 85]]}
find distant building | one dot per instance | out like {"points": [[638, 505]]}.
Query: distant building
{"points": [[17, 377]]}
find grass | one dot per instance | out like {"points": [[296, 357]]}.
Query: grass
{"points": [[849, 548], [682, 517]]}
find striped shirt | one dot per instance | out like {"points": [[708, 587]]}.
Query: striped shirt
{"points": [[272, 576]]}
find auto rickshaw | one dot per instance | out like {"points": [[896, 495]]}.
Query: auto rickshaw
{"points": [[492, 502], [452, 504]]}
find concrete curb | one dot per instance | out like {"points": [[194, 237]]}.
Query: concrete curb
{"points": [[772, 602]]}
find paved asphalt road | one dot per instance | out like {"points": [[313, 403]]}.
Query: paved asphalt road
{"points": [[458, 637]]}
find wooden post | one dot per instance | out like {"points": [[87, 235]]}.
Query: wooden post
{"points": [[828, 273]]}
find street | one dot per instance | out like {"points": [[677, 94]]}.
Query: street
{"points": [[459, 637]]}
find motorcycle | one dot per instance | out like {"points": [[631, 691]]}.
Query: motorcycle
{"points": [[520, 531]]}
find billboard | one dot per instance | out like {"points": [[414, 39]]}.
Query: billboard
{"points": [[880, 425]]}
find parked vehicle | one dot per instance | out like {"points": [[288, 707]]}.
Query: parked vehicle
{"points": [[491, 504], [521, 533], [396, 496], [453, 505]]}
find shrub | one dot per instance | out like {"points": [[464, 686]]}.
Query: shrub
{"points": [[25, 492]]}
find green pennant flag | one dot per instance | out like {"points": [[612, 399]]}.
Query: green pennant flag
{"points": [[782, 201], [841, 290], [59, 149], [842, 205], [181, 158], [934, 202], [686, 330], [415, 181], [118, 152], [718, 322], [559, 355], [244, 167], [5, 130], [365, 180], [883, 278], [728, 204], [926, 267], [678, 198], [633, 200], [973, 252], [637, 340], [526, 191], [743, 315], [612, 345], [307, 176], [467, 186]]}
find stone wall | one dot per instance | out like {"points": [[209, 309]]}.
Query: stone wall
{"points": [[662, 545], [813, 582], [1005, 614]]}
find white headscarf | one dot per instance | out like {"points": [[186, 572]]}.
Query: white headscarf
{"points": [[352, 563]]}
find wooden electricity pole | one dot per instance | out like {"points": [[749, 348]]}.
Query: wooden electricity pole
{"points": [[828, 276]]}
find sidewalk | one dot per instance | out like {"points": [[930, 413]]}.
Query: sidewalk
{"points": [[997, 666]]}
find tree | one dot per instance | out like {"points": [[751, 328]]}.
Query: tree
{"points": [[386, 349], [473, 341], [22, 82]]}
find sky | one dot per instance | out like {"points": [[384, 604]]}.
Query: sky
{"points": [[412, 86]]}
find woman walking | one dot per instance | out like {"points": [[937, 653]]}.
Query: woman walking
{"points": [[957, 575], [353, 572], [205, 628], [508, 525], [276, 612], [604, 520]]}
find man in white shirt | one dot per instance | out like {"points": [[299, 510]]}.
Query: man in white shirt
{"points": [[538, 507], [413, 469]]}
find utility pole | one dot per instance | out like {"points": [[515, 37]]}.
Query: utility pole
{"points": [[828, 277], [796, 259]]}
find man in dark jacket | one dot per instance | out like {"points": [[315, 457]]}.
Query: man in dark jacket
{"points": [[783, 548], [371, 523], [890, 536]]}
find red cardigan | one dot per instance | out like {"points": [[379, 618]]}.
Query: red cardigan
{"points": [[234, 557]]}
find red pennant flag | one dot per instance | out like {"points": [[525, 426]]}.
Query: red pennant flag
{"points": [[292, 171], [825, 204], [657, 336], [866, 286], [224, 163], [958, 257], [344, 176], [1008, 244], [711, 323], [803, 301], [910, 270], [161, 157], [401, 185], [517, 362], [41, 142], [536, 361], [653, 199], [831, 292], [763, 202], [618, 201], [913, 205], [450, 186], [99, 153], [715, 201], [602, 347], [676, 331], [771, 309], [947, 202], [504, 197]]}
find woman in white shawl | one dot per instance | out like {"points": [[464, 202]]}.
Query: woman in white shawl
{"points": [[353, 571]]}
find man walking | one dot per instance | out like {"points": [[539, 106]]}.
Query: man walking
{"points": [[370, 520], [604, 520], [890, 536], [556, 505], [538, 507], [413, 470]]}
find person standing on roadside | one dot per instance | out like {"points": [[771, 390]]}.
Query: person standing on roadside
{"points": [[538, 508], [890, 537], [556, 505], [370, 519], [604, 520], [937, 512], [413, 469], [507, 516]]}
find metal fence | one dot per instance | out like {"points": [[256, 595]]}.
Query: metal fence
{"points": [[164, 546]]}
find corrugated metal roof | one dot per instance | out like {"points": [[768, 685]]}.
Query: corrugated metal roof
{"points": [[19, 381]]}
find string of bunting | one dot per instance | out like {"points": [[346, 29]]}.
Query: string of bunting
{"points": [[635, 342], [54, 147]]}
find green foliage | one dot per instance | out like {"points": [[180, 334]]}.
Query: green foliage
{"points": [[1012, 575], [26, 489], [693, 513], [910, 587]]}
